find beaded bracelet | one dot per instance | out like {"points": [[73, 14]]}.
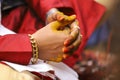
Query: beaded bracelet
{"points": [[34, 49]]}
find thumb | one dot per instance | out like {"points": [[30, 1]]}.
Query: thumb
{"points": [[69, 18], [57, 25]]}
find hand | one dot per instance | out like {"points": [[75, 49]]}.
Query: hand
{"points": [[50, 39], [73, 41], [54, 14]]}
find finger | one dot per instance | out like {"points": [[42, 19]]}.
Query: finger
{"points": [[73, 35], [60, 16], [66, 30], [69, 18], [49, 19], [67, 49], [56, 25], [77, 42], [65, 55], [55, 16], [71, 48]]}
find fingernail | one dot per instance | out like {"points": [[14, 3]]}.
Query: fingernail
{"points": [[65, 50], [65, 56]]}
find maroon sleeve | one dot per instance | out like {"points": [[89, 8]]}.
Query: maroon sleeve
{"points": [[41, 7], [15, 48]]}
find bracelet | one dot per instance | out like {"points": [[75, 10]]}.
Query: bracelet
{"points": [[34, 49]]}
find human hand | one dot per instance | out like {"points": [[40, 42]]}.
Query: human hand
{"points": [[54, 14], [73, 41], [50, 39]]}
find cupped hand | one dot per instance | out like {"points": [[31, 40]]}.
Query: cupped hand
{"points": [[73, 41], [50, 39], [57, 15]]}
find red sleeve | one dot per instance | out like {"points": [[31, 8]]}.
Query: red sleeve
{"points": [[15, 48], [88, 14], [41, 7]]}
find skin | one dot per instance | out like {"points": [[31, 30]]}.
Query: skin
{"points": [[74, 39], [50, 45]]}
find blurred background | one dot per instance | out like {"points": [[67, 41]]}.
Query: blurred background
{"points": [[101, 56]]}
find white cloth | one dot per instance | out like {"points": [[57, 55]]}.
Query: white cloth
{"points": [[61, 70], [4, 31]]}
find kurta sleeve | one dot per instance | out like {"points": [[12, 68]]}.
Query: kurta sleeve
{"points": [[89, 13], [15, 48], [41, 7]]}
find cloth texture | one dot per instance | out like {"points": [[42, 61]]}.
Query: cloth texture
{"points": [[24, 20]]}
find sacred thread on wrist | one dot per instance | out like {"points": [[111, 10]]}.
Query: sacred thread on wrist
{"points": [[34, 49]]}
